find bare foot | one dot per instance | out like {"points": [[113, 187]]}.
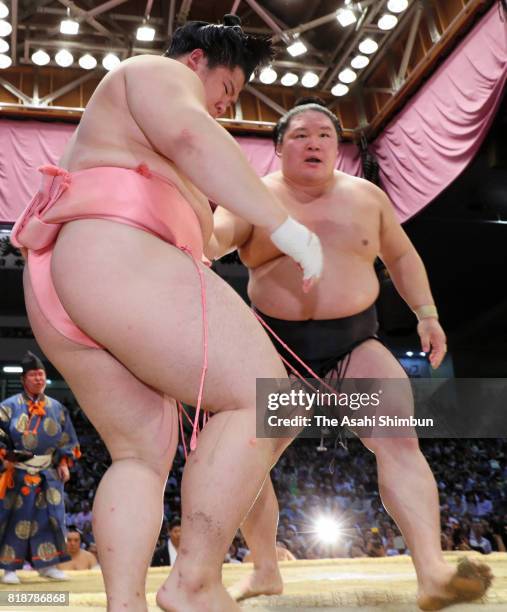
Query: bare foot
{"points": [[259, 582], [470, 582], [173, 597]]}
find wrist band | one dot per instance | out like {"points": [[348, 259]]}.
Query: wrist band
{"points": [[425, 312]]}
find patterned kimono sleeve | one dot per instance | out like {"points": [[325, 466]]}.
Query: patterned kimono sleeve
{"points": [[68, 448], [5, 438]]}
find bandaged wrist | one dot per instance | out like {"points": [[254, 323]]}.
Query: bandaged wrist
{"points": [[297, 241], [426, 312]]}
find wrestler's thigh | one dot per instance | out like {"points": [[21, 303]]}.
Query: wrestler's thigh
{"points": [[373, 361], [133, 419], [141, 299]]}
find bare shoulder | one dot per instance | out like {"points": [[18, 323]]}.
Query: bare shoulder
{"points": [[361, 188], [156, 71]]}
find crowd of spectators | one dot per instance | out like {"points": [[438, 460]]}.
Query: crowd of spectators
{"points": [[339, 486]]}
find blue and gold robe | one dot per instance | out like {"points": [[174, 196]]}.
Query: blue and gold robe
{"points": [[32, 512]]}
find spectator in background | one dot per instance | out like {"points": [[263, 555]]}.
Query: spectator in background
{"points": [[477, 540], [80, 559], [83, 516], [167, 551]]}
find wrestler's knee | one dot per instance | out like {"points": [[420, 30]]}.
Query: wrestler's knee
{"points": [[388, 446]]}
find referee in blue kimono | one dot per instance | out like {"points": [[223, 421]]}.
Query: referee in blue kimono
{"points": [[38, 444]]}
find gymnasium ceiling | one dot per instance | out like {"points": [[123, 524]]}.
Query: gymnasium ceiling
{"points": [[425, 32]]}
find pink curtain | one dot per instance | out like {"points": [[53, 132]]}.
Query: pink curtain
{"points": [[440, 130], [421, 152]]}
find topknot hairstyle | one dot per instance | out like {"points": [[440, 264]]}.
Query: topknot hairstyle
{"points": [[224, 45]]}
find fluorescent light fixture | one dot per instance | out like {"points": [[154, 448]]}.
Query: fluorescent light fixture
{"points": [[268, 76], [289, 79], [387, 21], [4, 10], [339, 90], [368, 46], [64, 58], [297, 48], [87, 62], [40, 57], [347, 76], [145, 32], [5, 61], [397, 6], [110, 61], [4, 46], [360, 61], [310, 79], [13, 369], [69, 26], [346, 17], [5, 28]]}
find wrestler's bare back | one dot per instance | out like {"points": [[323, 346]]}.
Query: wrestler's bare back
{"points": [[347, 220], [109, 135]]}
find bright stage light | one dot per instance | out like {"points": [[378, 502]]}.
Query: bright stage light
{"points": [[346, 17], [297, 48], [289, 79], [327, 529], [87, 62], [397, 6], [145, 33], [387, 21], [5, 28], [368, 46], [339, 90], [360, 61], [64, 58], [69, 26], [4, 46], [347, 76], [110, 61], [40, 57], [5, 61], [310, 79], [268, 76], [4, 10]]}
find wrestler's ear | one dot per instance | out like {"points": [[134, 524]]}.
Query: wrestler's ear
{"points": [[278, 149], [197, 59]]}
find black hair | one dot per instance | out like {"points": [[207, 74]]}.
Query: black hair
{"points": [[310, 103], [74, 529], [224, 45], [174, 523]]}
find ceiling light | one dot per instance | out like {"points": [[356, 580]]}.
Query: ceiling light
{"points": [[145, 33], [4, 10], [360, 61], [346, 17], [5, 61], [268, 76], [4, 46], [64, 58], [69, 26], [387, 21], [347, 76], [110, 61], [310, 79], [397, 6], [41, 58], [5, 28], [368, 46], [13, 369], [297, 48], [87, 62], [289, 79], [339, 89]]}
